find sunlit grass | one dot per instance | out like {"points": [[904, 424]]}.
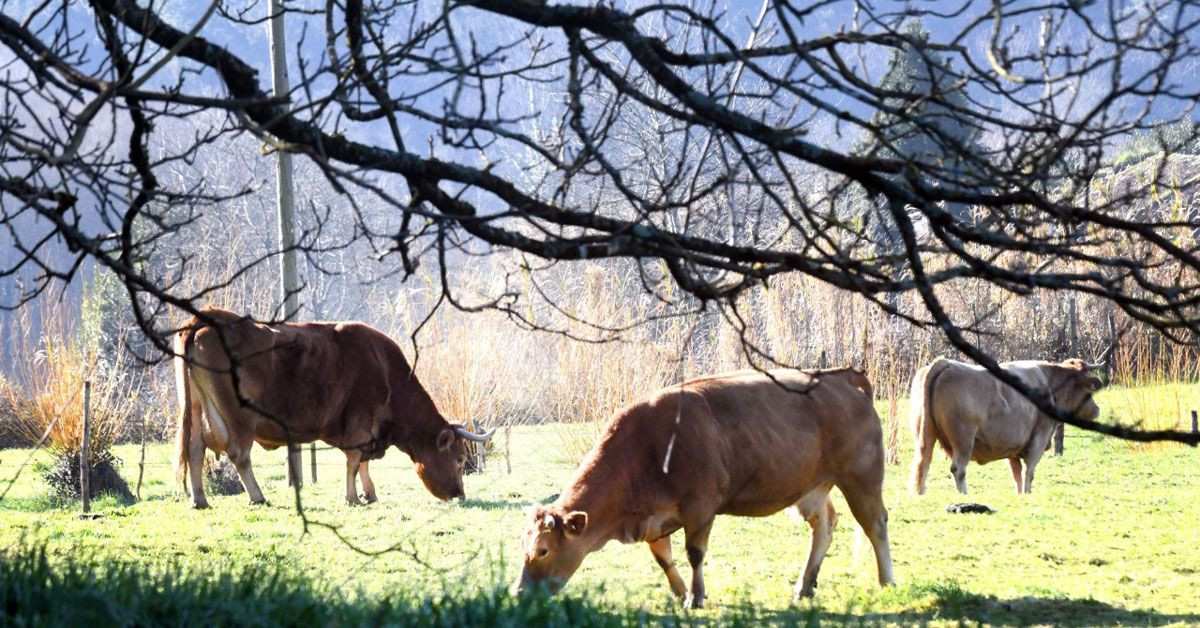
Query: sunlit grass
{"points": [[1107, 537]]}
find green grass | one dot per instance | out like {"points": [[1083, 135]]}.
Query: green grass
{"points": [[1109, 536]]}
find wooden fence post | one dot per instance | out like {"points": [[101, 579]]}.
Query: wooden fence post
{"points": [[85, 469], [141, 460], [312, 450], [1195, 423], [1072, 352], [507, 451]]}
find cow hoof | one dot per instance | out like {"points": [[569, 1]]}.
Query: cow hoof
{"points": [[200, 506], [258, 502], [370, 499], [802, 594], [693, 602], [353, 502]]}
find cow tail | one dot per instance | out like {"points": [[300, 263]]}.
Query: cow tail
{"points": [[861, 382], [183, 386], [924, 428]]}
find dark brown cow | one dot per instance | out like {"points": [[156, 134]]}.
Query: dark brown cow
{"points": [[973, 416], [741, 443], [344, 383]]}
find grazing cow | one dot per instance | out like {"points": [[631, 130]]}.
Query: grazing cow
{"points": [[974, 416], [344, 383], [743, 443]]}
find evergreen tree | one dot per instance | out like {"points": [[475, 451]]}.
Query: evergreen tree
{"points": [[921, 124]]}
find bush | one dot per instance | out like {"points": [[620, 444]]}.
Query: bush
{"points": [[63, 478], [51, 369]]}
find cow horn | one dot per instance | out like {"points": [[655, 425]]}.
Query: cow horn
{"points": [[472, 436], [1094, 367]]}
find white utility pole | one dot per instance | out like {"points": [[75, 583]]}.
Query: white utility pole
{"points": [[283, 180]]}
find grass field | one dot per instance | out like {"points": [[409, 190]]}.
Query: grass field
{"points": [[1109, 536]]}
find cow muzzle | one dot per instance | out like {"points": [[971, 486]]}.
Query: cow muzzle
{"points": [[524, 584]]}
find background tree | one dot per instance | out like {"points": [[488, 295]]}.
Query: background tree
{"points": [[537, 132]]}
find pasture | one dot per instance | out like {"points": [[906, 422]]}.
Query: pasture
{"points": [[1109, 536]]}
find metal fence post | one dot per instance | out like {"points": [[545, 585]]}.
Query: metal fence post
{"points": [[1195, 423], [85, 480]]}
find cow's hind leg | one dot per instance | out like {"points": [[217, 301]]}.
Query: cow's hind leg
{"points": [[1015, 465], [696, 543], [662, 555], [196, 464], [239, 455], [961, 436], [367, 484], [353, 459], [866, 504], [818, 511]]}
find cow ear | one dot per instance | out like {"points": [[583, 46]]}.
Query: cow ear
{"points": [[445, 440], [574, 523]]}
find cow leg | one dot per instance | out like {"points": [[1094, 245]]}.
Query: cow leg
{"points": [[240, 456], [696, 543], [295, 462], [367, 484], [962, 441], [196, 466], [353, 459], [1037, 447], [1015, 465], [866, 504], [817, 509], [662, 554]]}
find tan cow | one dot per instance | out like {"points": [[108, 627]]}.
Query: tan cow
{"points": [[344, 383], [973, 416], [741, 443]]}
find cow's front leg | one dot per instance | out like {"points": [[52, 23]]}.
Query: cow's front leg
{"points": [[295, 460], [1015, 465], [367, 484], [353, 459], [696, 543], [662, 554]]}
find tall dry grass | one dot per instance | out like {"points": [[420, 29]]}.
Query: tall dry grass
{"points": [[48, 398], [1156, 388]]}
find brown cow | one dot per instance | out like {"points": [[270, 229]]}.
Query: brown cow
{"points": [[742, 443], [973, 416], [344, 383]]}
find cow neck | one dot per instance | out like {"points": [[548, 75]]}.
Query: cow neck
{"points": [[417, 422], [604, 490]]}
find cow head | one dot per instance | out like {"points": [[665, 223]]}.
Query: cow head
{"points": [[440, 465], [1075, 386], [553, 545]]}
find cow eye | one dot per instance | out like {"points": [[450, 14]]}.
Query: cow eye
{"points": [[542, 551]]}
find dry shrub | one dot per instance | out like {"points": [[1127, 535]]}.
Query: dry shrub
{"points": [[51, 369], [10, 433], [220, 476]]}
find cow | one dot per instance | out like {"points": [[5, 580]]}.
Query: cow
{"points": [[747, 443], [344, 383], [973, 416]]}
